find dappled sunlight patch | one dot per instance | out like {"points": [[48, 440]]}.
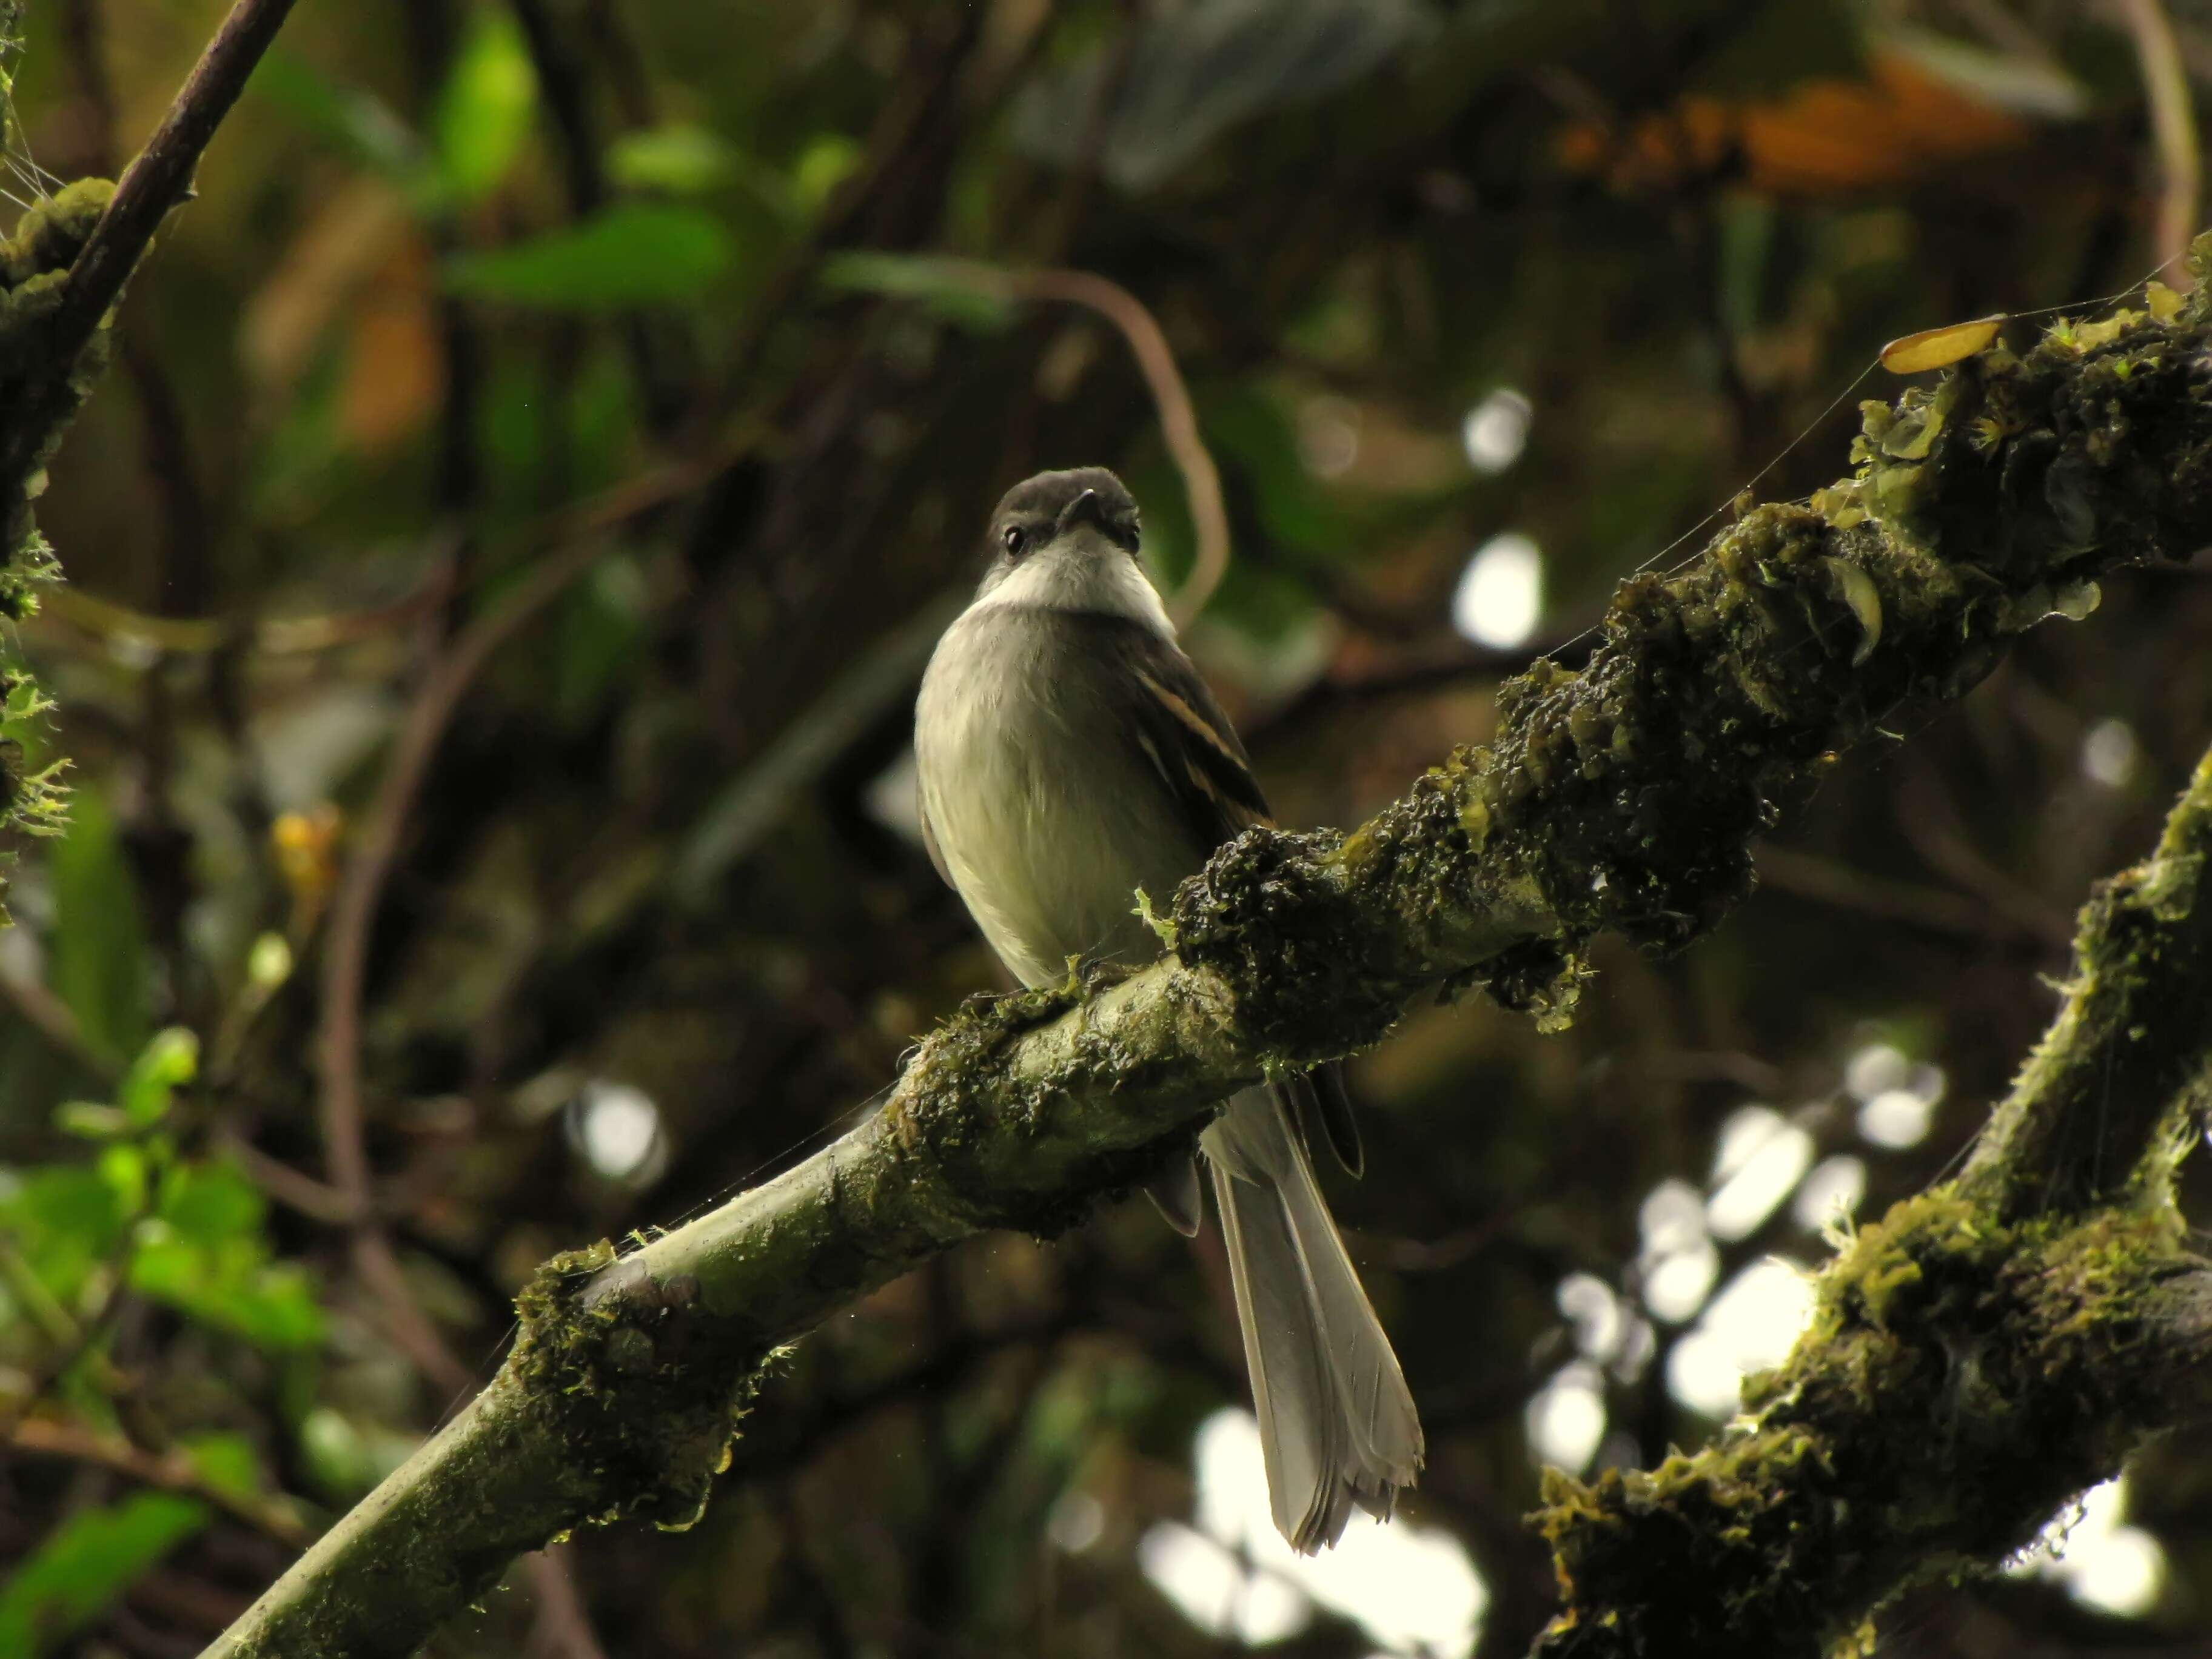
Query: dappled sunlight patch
{"points": [[1412, 1589], [1750, 1326], [2101, 1561]]}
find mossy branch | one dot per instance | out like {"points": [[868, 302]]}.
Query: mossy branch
{"points": [[1984, 1352], [61, 274], [1625, 796]]}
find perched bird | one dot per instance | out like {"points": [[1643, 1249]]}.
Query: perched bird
{"points": [[1069, 756]]}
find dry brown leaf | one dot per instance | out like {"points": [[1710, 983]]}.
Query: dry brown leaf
{"points": [[1823, 138]]}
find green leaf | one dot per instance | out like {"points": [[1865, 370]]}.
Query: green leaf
{"points": [[211, 1202], [92, 1120], [640, 254], [226, 1462], [956, 290], [163, 1066], [86, 1562], [1746, 246], [602, 635], [680, 160], [65, 1219], [827, 160], [359, 123], [98, 946], [2031, 86], [346, 1458], [204, 1253], [125, 1166], [485, 110], [228, 1282]]}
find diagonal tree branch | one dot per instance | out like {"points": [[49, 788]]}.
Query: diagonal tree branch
{"points": [[1985, 1352], [157, 180], [1625, 796]]}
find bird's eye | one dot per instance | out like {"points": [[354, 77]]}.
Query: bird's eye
{"points": [[1014, 537]]}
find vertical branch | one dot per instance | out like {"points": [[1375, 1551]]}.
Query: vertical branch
{"points": [[84, 36], [2173, 125]]}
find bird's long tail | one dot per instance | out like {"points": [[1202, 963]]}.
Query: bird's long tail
{"points": [[1336, 1420]]}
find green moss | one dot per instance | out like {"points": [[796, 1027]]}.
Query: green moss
{"points": [[630, 1372], [1626, 795], [952, 1112], [33, 265], [1889, 1446]]}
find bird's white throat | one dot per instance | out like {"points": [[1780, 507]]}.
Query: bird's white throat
{"points": [[1081, 571]]}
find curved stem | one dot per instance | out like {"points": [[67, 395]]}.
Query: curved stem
{"points": [[1156, 361]]}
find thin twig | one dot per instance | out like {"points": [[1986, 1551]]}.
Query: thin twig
{"points": [[361, 888], [288, 1186], [72, 1339], [54, 1020], [563, 1626], [109, 622], [2173, 126], [1932, 824], [567, 102], [1808, 875], [29, 1293], [167, 1471], [1148, 345], [156, 181], [84, 35]]}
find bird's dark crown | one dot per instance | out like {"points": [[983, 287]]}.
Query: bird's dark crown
{"points": [[1036, 506]]}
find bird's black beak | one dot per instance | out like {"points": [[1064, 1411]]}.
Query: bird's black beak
{"points": [[1090, 508]]}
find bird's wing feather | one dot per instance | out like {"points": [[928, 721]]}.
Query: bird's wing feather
{"points": [[1195, 751], [1185, 738]]}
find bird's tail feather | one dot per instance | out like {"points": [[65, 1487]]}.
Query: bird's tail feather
{"points": [[1336, 1420]]}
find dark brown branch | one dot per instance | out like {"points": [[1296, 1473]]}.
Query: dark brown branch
{"points": [[156, 181], [41, 1437]]}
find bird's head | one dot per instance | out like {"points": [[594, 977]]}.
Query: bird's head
{"points": [[1068, 541]]}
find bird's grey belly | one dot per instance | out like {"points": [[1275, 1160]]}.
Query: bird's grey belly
{"points": [[1048, 821]]}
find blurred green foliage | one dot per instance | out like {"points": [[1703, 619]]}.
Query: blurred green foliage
{"points": [[86, 1564]]}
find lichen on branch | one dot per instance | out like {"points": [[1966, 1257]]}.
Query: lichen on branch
{"points": [[1626, 796], [1976, 1357], [35, 264]]}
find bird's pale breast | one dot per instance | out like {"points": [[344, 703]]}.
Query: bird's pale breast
{"points": [[1045, 813]]}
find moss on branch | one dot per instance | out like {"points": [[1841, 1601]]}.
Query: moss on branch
{"points": [[1625, 796], [1984, 1352], [34, 266]]}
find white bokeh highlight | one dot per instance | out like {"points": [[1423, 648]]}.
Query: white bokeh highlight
{"points": [[1500, 596], [2102, 1562], [615, 1129], [1411, 1588], [1750, 1326], [1833, 1191], [1762, 1155], [1676, 1269], [2110, 754], [1567, 1418], [1496, 430]]}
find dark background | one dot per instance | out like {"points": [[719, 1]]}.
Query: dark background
{"points": [[656, 923]]}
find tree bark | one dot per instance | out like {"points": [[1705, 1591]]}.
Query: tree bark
{"points": [[1983, 1353]]}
